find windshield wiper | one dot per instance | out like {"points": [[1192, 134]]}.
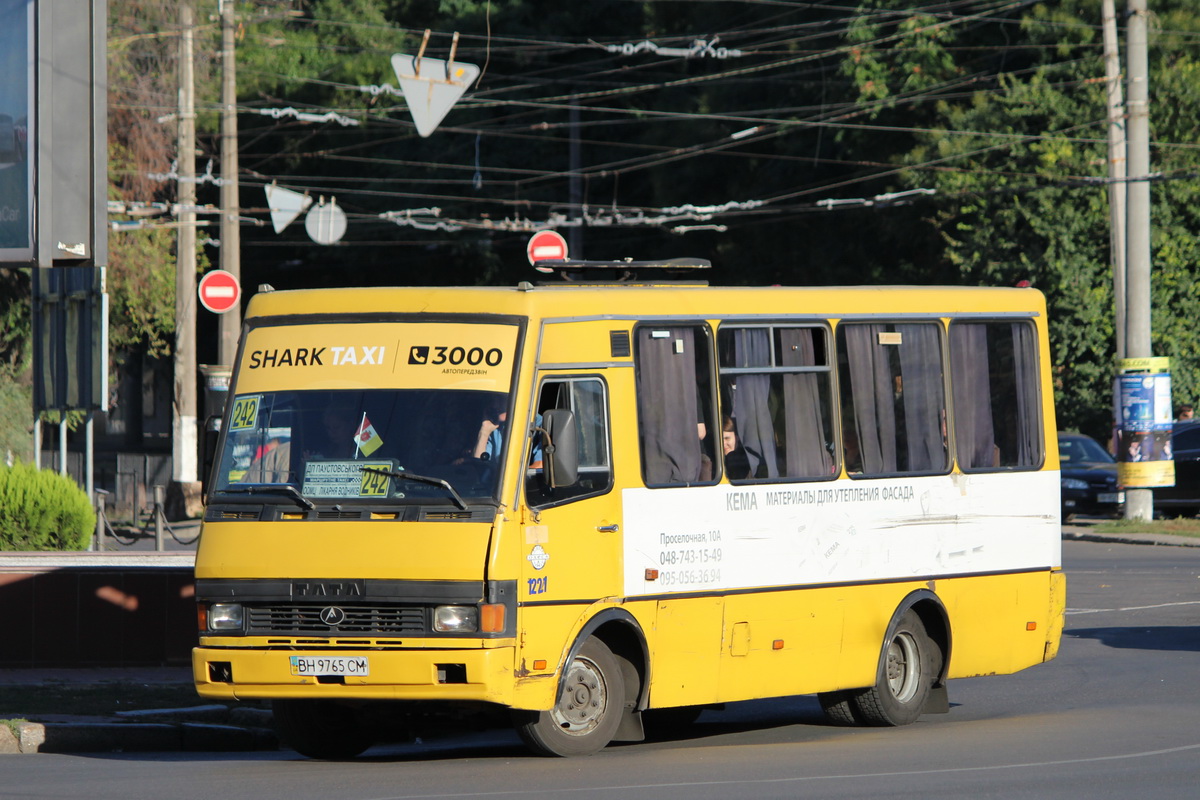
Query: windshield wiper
{"points": [[272, 488], [391, 473]]}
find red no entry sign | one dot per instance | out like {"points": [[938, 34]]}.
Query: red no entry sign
{"points": [[219, 291], [546, 246]]}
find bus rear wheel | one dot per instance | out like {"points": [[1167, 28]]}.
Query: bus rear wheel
{"points": [[322, 729], [839, 707], [590, 702], [907, 669]]}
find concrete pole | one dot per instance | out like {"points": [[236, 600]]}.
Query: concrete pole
{"points": [[230, 322], [1139, 503], [184, 439], [1116, 166]]}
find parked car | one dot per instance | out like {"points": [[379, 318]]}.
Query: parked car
{"points": [[1182, 499], [1089, 476]]}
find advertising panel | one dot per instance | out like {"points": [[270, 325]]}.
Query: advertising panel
{"points": [[1144, 458], [381, 355]]}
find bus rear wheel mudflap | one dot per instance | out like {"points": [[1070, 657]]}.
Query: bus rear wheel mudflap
{"points": [[321, 729], [588, 710]]}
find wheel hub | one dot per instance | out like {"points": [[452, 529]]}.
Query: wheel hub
{"points": [[584, 699], [902, 665]]}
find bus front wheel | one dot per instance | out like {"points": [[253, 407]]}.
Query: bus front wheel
{"points": [[590, 702], [907, 669], [322, 729]]}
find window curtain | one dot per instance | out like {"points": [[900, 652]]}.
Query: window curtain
{"points": [[1028, 408], [751, 401], [922, 395], [974, 426], [804, 424], [667, 405], [874, 412]]}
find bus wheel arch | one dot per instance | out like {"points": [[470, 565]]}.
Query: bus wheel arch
{"points": [[913, 661], [910, 673], [608, 663], [937, 625]]}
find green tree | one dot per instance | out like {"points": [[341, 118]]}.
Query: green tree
{"points": [[143, 46], [1015, 206]]}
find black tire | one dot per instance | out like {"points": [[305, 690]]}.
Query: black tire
{"points": [[839, 707], [322, 729], [907, 669], [588, 711]]}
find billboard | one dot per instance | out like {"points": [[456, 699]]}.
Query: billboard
{"points": [[16, 130], [1144, 457]]}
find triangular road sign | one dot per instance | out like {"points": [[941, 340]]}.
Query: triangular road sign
{"points": [[433, 91], [285, 206]]}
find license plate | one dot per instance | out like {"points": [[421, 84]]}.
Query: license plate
{"points": [[330, 665], [1111, 497]]}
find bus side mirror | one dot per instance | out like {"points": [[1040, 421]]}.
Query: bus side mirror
{"points": [[561, 448]]}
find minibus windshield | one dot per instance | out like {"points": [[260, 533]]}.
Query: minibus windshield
{"points": [[379, 445]]}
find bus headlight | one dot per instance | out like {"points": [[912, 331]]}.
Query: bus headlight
{"points": [[225, 617], [456, 619]]}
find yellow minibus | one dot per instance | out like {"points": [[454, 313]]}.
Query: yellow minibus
{"points": [[585, 501]]}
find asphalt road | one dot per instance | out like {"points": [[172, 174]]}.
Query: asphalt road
{"points": [[1115, 716]]}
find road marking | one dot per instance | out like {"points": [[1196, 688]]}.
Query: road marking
{"points": [[1131, 608], [561, 791]]}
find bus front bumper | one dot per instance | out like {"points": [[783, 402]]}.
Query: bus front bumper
{"points": [[482, 675]]}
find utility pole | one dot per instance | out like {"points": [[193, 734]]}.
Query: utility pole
{"points": [[230, 322], [1139, 503], [1116, 165], [185, 437]]}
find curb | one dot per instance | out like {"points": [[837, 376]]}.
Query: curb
{"points": [[115, 737], [251, 731], [1082, 534]]}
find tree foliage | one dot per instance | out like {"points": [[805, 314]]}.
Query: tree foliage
{"points": [[143, 47], [1015, 206], [994, 112]]}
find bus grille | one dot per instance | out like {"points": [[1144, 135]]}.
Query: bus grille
{"points": [[372, 620]]}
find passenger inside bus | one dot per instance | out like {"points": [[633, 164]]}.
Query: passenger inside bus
{"points": [[489, 442], [338, 426], [737, 465], [272, 461]]}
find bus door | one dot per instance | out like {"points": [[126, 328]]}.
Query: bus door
{"points": [[571, 552], [668, 514]]}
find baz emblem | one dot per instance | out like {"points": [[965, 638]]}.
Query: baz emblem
{"points": [[333, 616], [538, 557]]}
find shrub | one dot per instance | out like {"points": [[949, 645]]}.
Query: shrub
{"points": [[42, 510]]}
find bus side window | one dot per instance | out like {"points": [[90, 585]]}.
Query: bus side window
{"points": [[893, 397], [997, 407], [776, 401], [678, 432], [587, 399]]}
